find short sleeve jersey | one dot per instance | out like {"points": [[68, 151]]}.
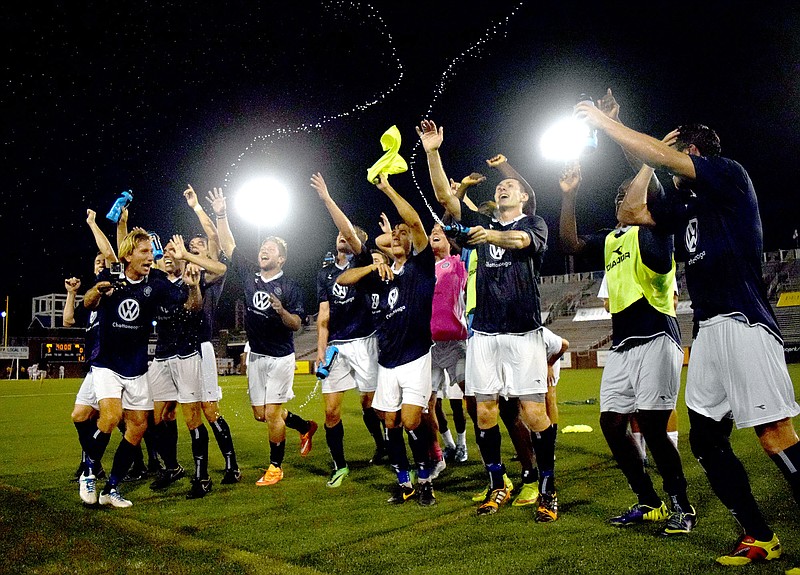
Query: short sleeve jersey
{"points": [[405, 302], [88, 318], [350, 306], [125, 320], [506, 289], [719, 225], [265, 330]]}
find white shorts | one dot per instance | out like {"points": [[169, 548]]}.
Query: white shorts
{"points": [[450, 390], [449, 357], [355, 366], [407, 384], [176, 379], [506, 364], [645, 376], [740, 369], [133, 391], [270, 379], [86, 394], [208, 371]]}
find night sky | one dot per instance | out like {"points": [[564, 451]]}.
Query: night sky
{"points": [[106, 97]]}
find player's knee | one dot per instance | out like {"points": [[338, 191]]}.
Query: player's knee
{"points": [[708, 438], [612, 423]]}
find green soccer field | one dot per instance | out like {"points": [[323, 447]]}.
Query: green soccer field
{"points": [[301, 526]]}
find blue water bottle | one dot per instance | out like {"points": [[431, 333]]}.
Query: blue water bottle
{"points": [[324, 370], [158, 249], [122, 202], [590, 144]]}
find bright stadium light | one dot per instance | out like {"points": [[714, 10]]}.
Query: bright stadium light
{"points": [[263, 202], [565, 140]]}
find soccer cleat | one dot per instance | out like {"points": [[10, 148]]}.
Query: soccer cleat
{"points": [[528, 495], [547, 511], [305, 438], [200, 488], [401, 493], [87, 487], [114, 499], [679, 522], [154, 467], [380, 456], [461, 453], [167, 477], [136, 474], [639, 513], [271, 476], [749, 550], [493, 501], [478, 497], [338, 476], [426, 496], [438, 468], [448, 453], [78, 472], [231, 476]]}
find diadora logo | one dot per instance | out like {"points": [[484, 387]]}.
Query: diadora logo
{"points": [[376, 300], [128, 310], [496, 252], [618, 251], [339, 291], [261, 301], [690, 237], [393, 293], [620, 257]]}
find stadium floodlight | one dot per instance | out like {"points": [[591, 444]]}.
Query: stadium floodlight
{"points": [[263, 201], [565, 140]]}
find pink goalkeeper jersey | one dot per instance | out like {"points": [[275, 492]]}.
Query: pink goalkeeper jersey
{"points": [[448, 322]]}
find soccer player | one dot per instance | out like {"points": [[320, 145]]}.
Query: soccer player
{"points": [[212, 282], [737, 371], [404, 335], [506, 354], [345, 321], [642, 373], [125, 308], [274, 311]]}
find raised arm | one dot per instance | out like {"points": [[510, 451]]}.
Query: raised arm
{"points": [[570, 182], [122, 227], [103, 245], [500, 163], [633, 210], [220, 207], [205, 222], [72, 285], [213, 268], [384, 241], [354, 275], [342, 222], [431, 139], [419, 237], [191, 277]]}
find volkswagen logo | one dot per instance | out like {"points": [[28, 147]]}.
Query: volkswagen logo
{"points": [[393, 293], [339, 291], [496, 252], [690, 237], [261, 301], [128, 310]]}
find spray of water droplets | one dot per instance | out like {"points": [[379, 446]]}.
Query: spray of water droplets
{"points": [[372, 18], [476, 50]]}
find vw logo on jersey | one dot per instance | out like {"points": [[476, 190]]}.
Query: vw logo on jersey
{"points": [[496, 252], [339, 291], [690, 237], [92, 317], [376, 300], [128, 310], [393, 293], [261, 301], [147, 291]]}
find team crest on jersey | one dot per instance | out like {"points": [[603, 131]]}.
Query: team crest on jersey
{"points": [[278, 291], [445, 265], [690, 237], [128, 310], [147, 291], [376, 300], [261, 301], [496, 252], [393, 293], [339, 291]]}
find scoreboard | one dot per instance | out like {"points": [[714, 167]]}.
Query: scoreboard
{"points": [[63, 351]]}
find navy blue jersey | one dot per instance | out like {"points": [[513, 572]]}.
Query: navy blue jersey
{"points": [[506, 289], [178, 328], [640, 321], [350, 313], [265, 330], [211, 295], [405, 304], [719, 225], [125, 320], [88, 318]]}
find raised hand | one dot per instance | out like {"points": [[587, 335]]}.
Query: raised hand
{"points": [[177, 244], [191, 196], [384, 224], [72, 285], [191, 275], [609, 105], [90, 217], [474, 178], [123, 217], [570, 179], [318, 183], [217, 200], [430, 136], [671, 138], [384, 270], [383, 183], [496, 160]]}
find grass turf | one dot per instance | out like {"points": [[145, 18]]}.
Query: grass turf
{"points": [[301, 526]]}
